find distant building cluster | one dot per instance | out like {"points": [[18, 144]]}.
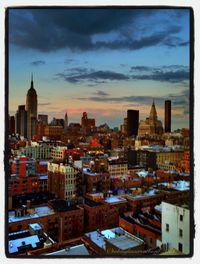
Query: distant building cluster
{"points": [[78, 189]]}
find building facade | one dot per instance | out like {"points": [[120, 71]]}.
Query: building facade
{"points": [[168, 116], [132, 122], [62, 180], [176, 227], [21, 121]]}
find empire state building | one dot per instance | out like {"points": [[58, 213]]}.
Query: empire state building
{"points": [[31, 108]]}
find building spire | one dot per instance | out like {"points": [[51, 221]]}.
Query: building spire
{"points": [[32, 80], [153, 113]]}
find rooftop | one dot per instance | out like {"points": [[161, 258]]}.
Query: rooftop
{"points": [[14, 245], [89, 173], [114, 199], [149, 193], [79, 250], [184, 204], [43, 176], [116, 236], [35, 226], [62, 205], [38, 212], [176, 185], [92, 203]]}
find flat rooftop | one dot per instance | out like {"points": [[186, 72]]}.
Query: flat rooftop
{"points": [[177, 185], [149, 193], [39, 212], [79, 250], [43, 176], [89, 173], [114, 199], [116, 236], [185, 204], [92, 203], [13, 245], [62, 205]]}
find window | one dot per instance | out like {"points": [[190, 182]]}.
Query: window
{"points": [[181, 218], [180, 232], [180, 247], [167, 227]]}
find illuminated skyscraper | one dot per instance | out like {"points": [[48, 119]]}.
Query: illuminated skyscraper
{"points": [[168, 116], [151, 126], [31, 108]]}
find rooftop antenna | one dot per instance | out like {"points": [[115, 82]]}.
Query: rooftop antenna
{"points": [[31, 80]]}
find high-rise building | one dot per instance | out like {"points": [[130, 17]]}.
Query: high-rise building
{"points": [[88, 124], [66, 122], [132, 122], [168, 116], [43, 119], [21, 121], [151, 126], [11, 125], [31, 108]]}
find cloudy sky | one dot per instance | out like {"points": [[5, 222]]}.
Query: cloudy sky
{"points": [[103, 61]]}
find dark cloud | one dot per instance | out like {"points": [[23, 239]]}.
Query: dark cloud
{"points": [[101, 93], [180, 100], [178, 74], [165, 73], [52, 29], [38, 63], [93, 76], [143, 42], [129, 99], [164, 76], [160, 68]]}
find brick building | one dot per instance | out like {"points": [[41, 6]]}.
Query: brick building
{"points": [[53, 132], [60, 220], [117, 167], [63, 180], [96, 181]]}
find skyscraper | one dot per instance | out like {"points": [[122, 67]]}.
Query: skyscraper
{"points": [[132, 122], [151, 126], [31, 108], [11, 125], [66, 122], [43, 118], [21, 121], [168, 116]]}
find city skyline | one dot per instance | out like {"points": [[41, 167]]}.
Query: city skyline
{"points": [[104, 67]]}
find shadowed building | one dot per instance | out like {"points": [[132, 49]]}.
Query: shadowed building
{"points": [[31, 108], [43, 119], [11, 125], [66, 122], [21, 121], [168, 116], [132, 122]]}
